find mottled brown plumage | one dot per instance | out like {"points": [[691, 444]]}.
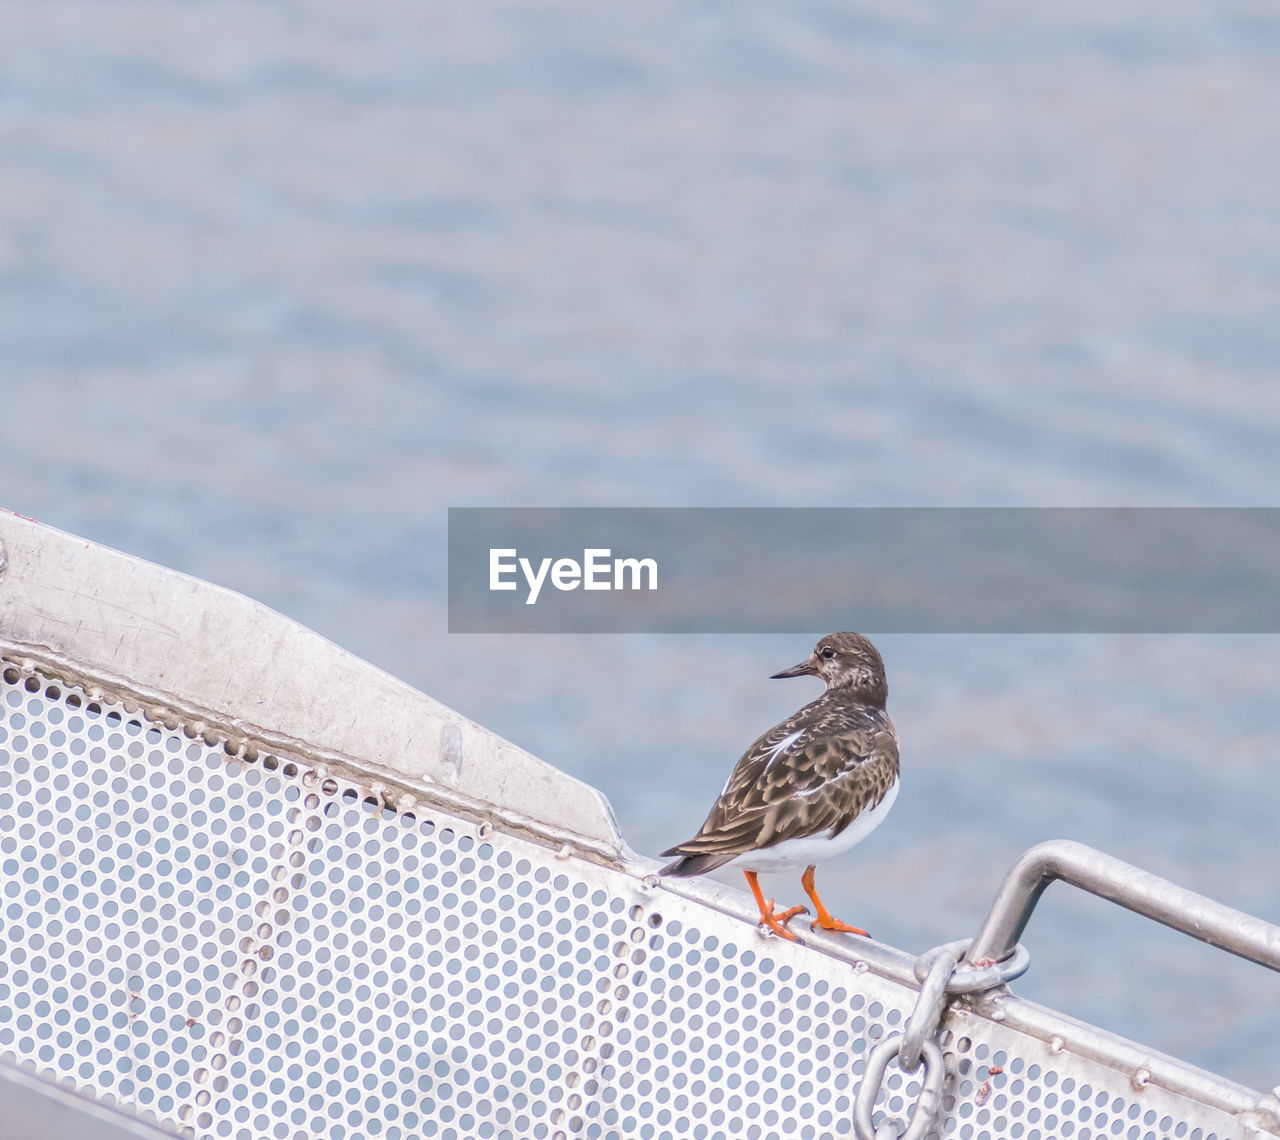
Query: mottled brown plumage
{"points": [[844, 763], [809, 778]]}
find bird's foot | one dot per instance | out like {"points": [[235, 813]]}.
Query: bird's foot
{"points": [[768, 918], [824, 921], [778, 922]]}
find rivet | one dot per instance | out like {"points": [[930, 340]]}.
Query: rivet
{"points": [[1141, 1078]]}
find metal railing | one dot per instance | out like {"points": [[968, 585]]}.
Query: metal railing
{"points": [[237, 919]]}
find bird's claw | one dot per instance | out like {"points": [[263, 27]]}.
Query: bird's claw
{"points": [[834, 924], [778, 922]]}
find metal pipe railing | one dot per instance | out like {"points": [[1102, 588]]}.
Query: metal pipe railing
{"points": [[1127, 886]]}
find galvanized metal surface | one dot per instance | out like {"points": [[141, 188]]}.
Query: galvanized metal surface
{"points": [[282, 944], [250, 951]]}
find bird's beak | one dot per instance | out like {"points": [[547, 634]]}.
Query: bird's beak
{"points": [[804, 669]]}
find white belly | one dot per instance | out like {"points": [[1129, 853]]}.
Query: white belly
{"points": [[793, 853]]}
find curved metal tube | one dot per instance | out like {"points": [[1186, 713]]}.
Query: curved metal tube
{"points": [[1134, 889]]}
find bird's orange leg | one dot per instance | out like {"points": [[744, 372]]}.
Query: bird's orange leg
{"points": [[775, 922], [824, 921]]}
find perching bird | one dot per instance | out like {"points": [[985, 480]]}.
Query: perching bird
{"points": [[809, 788]]}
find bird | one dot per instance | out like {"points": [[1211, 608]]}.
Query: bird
{"points": [[808, 789]]}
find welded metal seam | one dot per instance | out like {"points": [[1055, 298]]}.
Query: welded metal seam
{"points": [[238, 737]]}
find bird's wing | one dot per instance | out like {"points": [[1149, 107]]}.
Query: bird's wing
{"points": [[803, 777]]}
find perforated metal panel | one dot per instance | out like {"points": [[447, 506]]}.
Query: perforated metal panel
{"points": [[254, 949]]}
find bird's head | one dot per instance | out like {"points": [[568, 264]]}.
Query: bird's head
{"points": [[846, 661]]}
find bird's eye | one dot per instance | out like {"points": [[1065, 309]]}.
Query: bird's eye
{"points": [[828, 652]]}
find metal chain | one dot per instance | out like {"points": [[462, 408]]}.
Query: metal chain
{"points": [[926, 1109], [929, 1008], [942, 974], [967, 978]]}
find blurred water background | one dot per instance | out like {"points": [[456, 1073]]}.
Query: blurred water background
{"points": [[281, 282]]}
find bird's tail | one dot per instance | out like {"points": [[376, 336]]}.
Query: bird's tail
{"points": [[689, 865]]}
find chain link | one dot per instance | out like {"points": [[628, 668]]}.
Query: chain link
{"points": [[942, 974], [927, 1014], [926, 1109], [967, 978]]}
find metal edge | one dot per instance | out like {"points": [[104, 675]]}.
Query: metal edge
{"points": [[394, 789], [861, 953], [1145, 1067], [128, 627], [48, 1110]]}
